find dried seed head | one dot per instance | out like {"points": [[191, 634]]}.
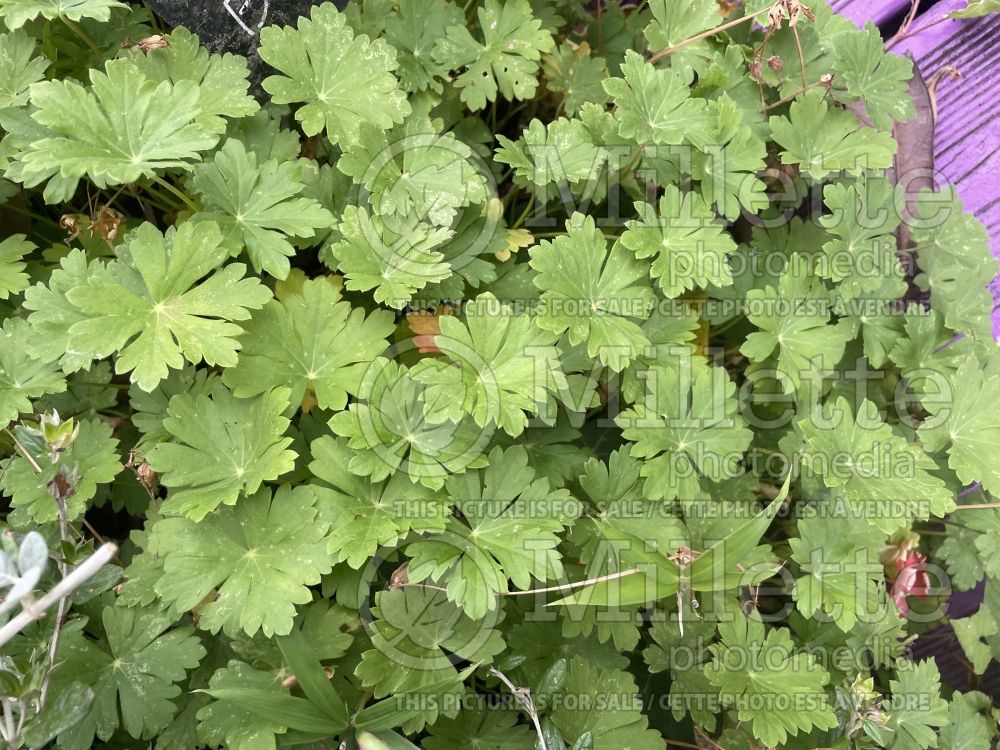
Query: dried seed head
{"points": [[106, 223], [146, 476], [797, 9], [775, 16], [71, 223], [775, 63], [153, 42], [400, 576], [63, 484], [683, 556]]}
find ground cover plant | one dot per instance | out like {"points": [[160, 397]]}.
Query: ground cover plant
{"points": [[501, 375]]}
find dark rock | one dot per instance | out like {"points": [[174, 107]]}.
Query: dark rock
{"points": [[233, 25]]}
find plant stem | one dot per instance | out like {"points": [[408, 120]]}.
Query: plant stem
{"points": [[600, 27], [666, 51], [559, 109], [510, 114], [527, 210], [31, 459], [949, 522], [912, 14], [176, 192], [907, 33], [574, 585], [632, 162], [107, 203], [523, 697], [790, 97], [82, 34], [154, 197], [932, 84], [61, 606], [802, 57]]}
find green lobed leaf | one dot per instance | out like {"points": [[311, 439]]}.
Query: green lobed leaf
{"points": [[16, 13], [510, 532], [92, 459], [500, 368], [256, 206], [329, 70], [23, 377], [504, 62], [133, 674], [253, 562], [763, 689], [655, 106], [594, 293], [311, 342], [862, 461], [689, 244], [966, 423], [156, 305], [122, 128], [19, 67], [821, 140], [221, 448], [222, 79]]}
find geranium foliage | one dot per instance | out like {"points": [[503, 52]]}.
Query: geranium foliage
{"points": [[503, 374]]}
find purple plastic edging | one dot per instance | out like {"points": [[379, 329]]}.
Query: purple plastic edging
{"points": [[860, 11], [967, 137]]}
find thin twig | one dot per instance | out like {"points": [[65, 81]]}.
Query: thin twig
{"points": [[978, 506], [91, 529], [60, 499], [705, 35], [23, 451], [802, 57], [176, 192], [574, 585], [907, 34], [82, 35], [527, 208], [76, 578], [523, 696], [932, 84], [904, 27], [790, 97], [699, 734]]}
